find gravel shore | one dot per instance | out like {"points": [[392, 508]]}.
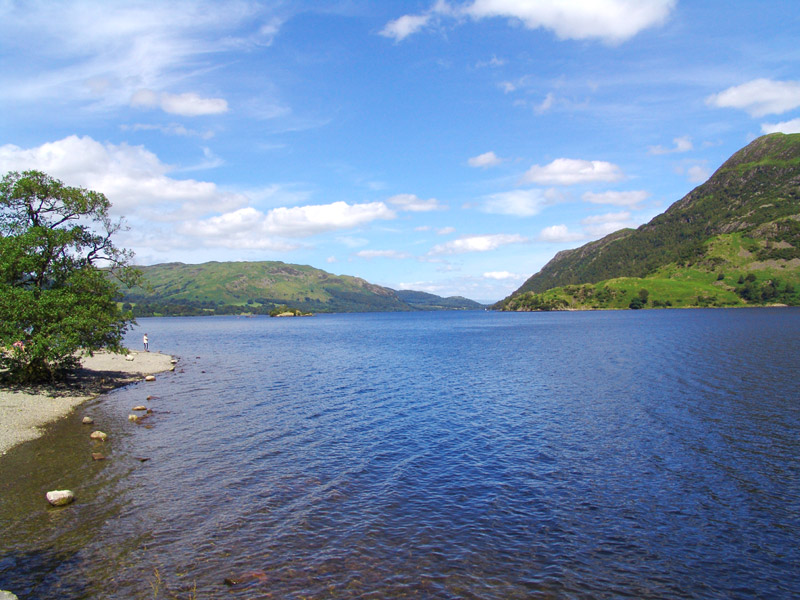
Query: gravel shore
{"points": [[25, 410]]}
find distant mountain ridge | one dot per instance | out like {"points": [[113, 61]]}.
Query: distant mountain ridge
{"points": [[752, 199], [258, 287]]}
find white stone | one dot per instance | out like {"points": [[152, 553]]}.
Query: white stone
{"points": [[86, 421], [150, 378], [98, 435], [60, 497]]}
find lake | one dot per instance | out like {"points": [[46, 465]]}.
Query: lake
{"points": [[626, 454]]}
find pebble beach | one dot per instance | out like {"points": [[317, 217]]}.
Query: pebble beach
{"points": [[25, 412]]}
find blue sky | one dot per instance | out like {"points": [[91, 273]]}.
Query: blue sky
{"points": [[446, 146]]}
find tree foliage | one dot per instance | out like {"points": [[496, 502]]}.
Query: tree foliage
{"points": [[57, 299]]}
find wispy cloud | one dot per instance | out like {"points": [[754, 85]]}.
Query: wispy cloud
{"points": [[477, 243], [631, 198], [520, 203], [681, 144], [393, 254], [188, 104], [412, 203]]}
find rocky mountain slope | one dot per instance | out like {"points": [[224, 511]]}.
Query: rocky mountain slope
{"points": [[749, 207]]}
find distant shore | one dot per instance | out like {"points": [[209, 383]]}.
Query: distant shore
{"points": [[25, 411]]}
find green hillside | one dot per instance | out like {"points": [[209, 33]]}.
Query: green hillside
{"points": [[732, 241], [426, 301], [259, 287]]}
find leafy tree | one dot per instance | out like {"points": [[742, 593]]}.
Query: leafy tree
{"points": [[56, 302]]}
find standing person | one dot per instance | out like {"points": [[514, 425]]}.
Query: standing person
{"points": [[146, 343]]}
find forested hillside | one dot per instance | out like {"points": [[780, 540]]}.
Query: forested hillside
{"points": [[260, 287], [743, 223]]}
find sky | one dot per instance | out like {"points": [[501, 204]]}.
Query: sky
{"points": [[447, 146]]}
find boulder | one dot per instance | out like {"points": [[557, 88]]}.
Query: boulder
{"points": [[150, 378], [129, 357], [133, 418], [87, 420], [60, 497], [140, 407], [98, 435], [97, 456], [4, 595]]}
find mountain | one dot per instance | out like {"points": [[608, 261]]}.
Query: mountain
{"points": [[258, 287], [425, 301], [744, 222]]}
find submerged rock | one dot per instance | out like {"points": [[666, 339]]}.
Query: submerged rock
{"points": [[98, 435], [60, 497], [243, 578], [140, 407], [97, 456], [133, 418], [87, 420]]}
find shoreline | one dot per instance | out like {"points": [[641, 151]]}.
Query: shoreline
{"points": [[26, 410]]}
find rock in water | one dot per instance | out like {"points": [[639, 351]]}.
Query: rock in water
{"points": [[133, 418], [98, 435], [60, 497], [4, 595], [140, 407], [87, 420], [150, 378], [97, 456]]}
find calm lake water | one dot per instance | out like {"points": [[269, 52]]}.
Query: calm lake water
{"points": [[632, 454]]}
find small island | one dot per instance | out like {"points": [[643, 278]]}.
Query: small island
{"points": [[285, 311]]}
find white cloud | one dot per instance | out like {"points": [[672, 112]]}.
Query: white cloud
{"points": [[487, 159], [251, 228], [612, 21], [600, 225], [546, 104], [192, 105], [401, 28], [682, 144], [382, 254], [133, 178], [559, 234], [519, 203], [446, 230], [411, 203], [501, 275], [695, 171], [792, 126], [569, 171], [477, 243], [186, 105], [698, 173], [631, 198], [759, 97]]}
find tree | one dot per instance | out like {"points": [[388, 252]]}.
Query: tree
{"points": [[56, 302]]}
